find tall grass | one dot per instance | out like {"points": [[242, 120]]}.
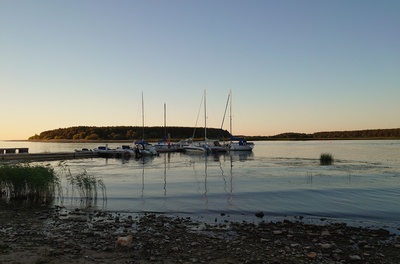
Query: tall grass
{"points": [[87, 185], [27, 182], [40, 183], [326, 159]]}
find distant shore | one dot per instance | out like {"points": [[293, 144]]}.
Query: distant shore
{"points": [[176, 140], [154, 134]]}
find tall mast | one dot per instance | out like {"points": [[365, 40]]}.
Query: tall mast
{"points": [[230, 114], [165, 120], [142, 118], [205, 117]]}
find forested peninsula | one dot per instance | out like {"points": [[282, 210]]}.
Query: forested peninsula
{"points": [[128, 133], [177, 133]]}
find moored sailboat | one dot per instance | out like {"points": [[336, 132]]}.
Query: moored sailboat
{"points": [[237, 143], [189, 145], [143, 148], [165, 144]]}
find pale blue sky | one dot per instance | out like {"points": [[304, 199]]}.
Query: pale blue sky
{"points": [[293, 66]]}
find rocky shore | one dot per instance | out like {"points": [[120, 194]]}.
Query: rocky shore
{"points": [[61, 236]]}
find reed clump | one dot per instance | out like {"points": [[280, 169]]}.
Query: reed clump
{"points": [[86, 184], [27, 182], [326, 159]]}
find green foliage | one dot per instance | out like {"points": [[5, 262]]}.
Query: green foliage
{"points": [[126, 133], [326, 159], [156, 133], [92, 137], [367, 134], [36, 183], [292, 135]]}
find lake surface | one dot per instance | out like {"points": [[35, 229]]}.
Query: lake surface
{"points": [[279, 178]]}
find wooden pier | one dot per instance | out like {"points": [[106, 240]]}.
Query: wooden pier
{"points": [[12, 154], [13, 150], [23, 156]]}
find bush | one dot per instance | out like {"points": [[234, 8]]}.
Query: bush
{"points": [[326, 159]]}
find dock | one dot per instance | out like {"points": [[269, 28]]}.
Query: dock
{"points": [[21, 154], [13, 150], [47, 156]]}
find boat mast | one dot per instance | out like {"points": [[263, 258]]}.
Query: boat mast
{"points": [[223, 118], [165, 121], [230, 114], [205, 117], [142, 118]]}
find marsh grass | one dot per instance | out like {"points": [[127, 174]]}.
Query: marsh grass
{"points": [[326, 159], [87, 185], [27, 182]]}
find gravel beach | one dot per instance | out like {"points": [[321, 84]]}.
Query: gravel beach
{"points": [[58, 235]]}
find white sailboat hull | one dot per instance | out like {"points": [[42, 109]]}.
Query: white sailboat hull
{"points": [[194, 149], [238, 147]]}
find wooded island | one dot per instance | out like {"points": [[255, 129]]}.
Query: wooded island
{"points": [[177, 133]]}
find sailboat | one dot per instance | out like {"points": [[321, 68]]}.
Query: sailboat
{"points": [[236, 143], [143, 148], [165, 145], [214, 145], [199, 147]]}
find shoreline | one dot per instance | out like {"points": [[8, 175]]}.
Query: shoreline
{"points": [[58, 235], [176, 140]]}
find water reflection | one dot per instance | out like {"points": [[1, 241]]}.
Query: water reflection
{"points": [[224, 156], [205, 182], [218, 173], [167, 158], [278, 177], [241, 155], [143, 179]]}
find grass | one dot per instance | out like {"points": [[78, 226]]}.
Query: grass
{"points": [[326, 159], [26, 182], [40, 183], [86, 184]]}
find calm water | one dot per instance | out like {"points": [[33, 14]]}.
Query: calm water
{"points": [[278, 178]]}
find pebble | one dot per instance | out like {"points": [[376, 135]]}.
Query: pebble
{"points": [[355, 257], [239, 241], [312, 255], [260, 214]]}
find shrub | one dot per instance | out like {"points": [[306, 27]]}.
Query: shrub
{"points": [[326, 159]]}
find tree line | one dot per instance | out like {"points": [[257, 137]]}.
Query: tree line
{"points": [[370, 133], [156, 133], [354, 134], [128, 133]]}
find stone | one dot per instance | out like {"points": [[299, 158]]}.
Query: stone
{"points": [[125, 241], [260, 214], [355, 257], [312, 255]]}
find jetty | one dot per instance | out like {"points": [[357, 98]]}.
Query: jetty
{"points": [[25, 156], [13, 150], [22, 154]]}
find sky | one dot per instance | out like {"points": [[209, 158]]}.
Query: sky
{"points": [[293, 66]]}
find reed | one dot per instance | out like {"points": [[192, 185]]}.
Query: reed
{"points": [[27, 182], [86, 184], [326, 159]]}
